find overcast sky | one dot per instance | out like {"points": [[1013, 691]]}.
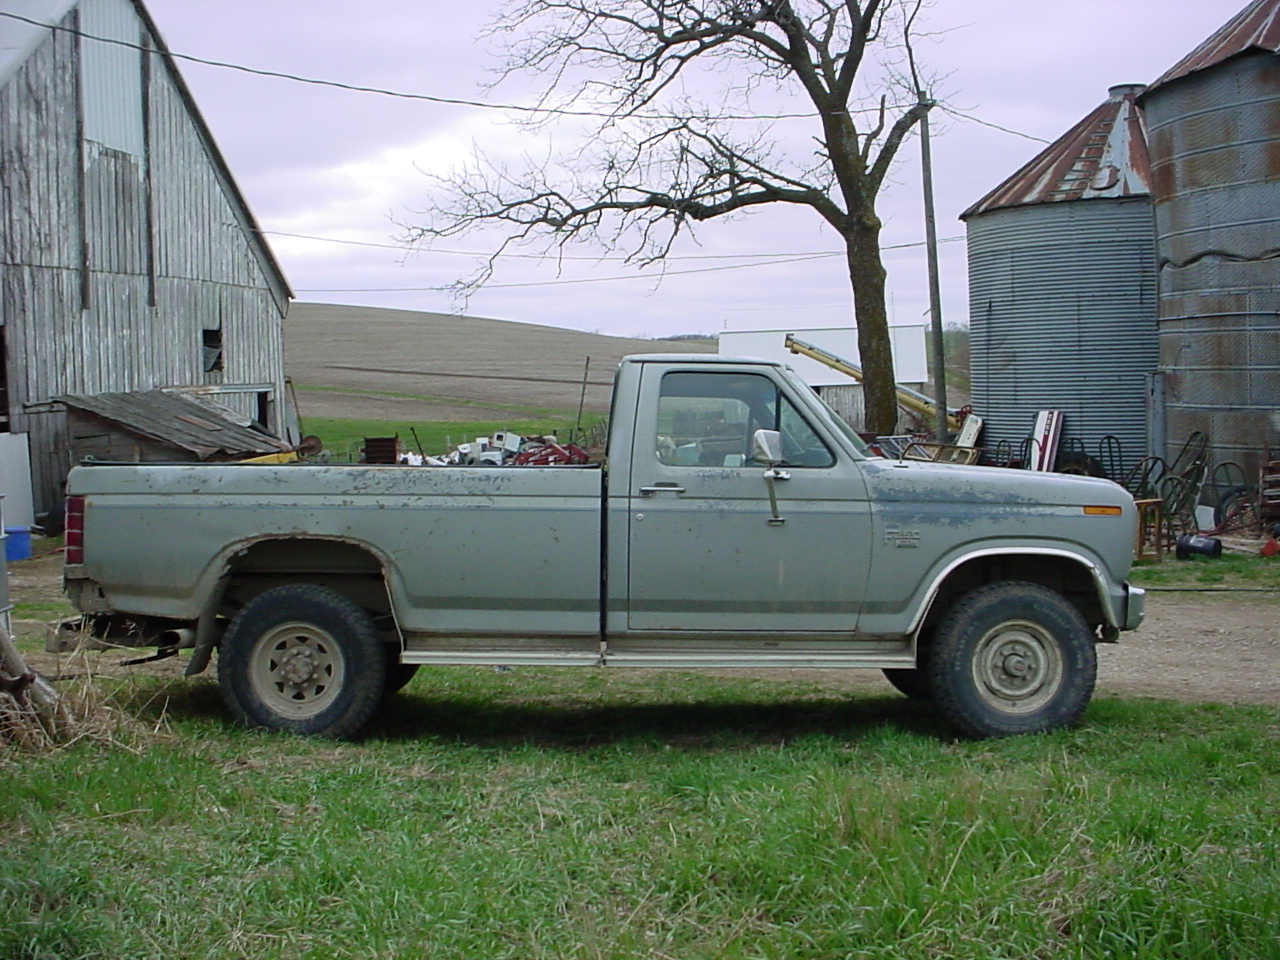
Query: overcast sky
{"points": [[329, 163]]}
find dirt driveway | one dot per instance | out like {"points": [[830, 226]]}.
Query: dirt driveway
{"points": [[1222, 647], [1201, 646]]}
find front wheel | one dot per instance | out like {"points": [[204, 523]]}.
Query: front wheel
{"points": [[1013, 658], [916, 682], [398, 674], [303, 659]]}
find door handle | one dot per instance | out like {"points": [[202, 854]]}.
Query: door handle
{"points": [[660, 488]]}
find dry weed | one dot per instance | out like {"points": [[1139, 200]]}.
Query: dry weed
{"points": [[84, 707]]}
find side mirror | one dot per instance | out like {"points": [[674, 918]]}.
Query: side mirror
{"points": [[766, 447]]}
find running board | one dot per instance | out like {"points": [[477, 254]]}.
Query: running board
{"points": [[666, 653]]}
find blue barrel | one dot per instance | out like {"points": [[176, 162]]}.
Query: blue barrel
{"points": [[17, 543]]}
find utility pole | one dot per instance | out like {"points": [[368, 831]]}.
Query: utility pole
{"points": [[939, 367]]}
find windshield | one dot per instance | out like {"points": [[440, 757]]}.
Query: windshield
{"points": [[840, 423]]}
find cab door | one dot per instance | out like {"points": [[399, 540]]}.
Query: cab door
{"points": [[706, 551]]}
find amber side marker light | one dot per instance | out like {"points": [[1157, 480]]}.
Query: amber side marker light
{"points": [[1103, 511]]}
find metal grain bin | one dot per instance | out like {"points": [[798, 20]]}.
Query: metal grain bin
{"points": [[1062, 288], [1214, 123]]}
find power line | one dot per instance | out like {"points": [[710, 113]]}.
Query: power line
{"points": [[558, 257], [513, 256], [993, 126], [400, 94], [553, 283], [460, 102], [794, 258]]}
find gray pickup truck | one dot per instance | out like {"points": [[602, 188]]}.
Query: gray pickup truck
{"points": [[735, 522]]}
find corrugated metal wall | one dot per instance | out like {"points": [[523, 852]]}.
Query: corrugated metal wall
{"points": [[1215, 166], [112, 76], [167, 248], [1062, 306]]}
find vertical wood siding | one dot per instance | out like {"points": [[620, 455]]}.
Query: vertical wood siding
{"points": [[185, 238], [39, 162]]}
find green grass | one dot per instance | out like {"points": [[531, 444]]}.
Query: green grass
{"points": [[42, 611], [594, 814], [1229, 570], [343, 438]]}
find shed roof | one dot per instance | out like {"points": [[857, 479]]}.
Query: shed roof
{"points": [[179, 421], [25, 24], [1256, 27], [1104, 156]]}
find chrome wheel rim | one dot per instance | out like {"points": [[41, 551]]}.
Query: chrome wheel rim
{"points": [[1018, 667], [297, 670]]}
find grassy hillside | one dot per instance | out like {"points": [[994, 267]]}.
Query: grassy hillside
{"points": [[399, 365]]}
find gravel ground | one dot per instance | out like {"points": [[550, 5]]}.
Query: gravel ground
{"points": [[1221, 647], [1194, 646]]}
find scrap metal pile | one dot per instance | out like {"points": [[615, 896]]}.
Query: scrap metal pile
{"points": [[510, 449], [503, 449]]}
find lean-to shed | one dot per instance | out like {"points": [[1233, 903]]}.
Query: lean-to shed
{"points": [[130, 259], [1062, 289], [163, 426], [1214, 123]]}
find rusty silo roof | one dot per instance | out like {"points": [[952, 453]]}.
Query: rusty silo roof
{"points": [[1256, 27], [1104, 156]]}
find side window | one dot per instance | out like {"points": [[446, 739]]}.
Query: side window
{"points": [[705, 419], [708, 420]]}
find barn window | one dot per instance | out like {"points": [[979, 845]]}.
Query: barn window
{"points": [[212, 343]]}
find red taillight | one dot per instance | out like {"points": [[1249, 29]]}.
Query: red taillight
{"points": [[73, 535]]}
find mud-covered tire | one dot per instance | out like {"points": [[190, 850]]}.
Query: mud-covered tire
{"points": [[1012, 658], [303, 659]]}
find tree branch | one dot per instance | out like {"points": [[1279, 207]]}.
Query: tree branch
{"points": [[639, 183]]}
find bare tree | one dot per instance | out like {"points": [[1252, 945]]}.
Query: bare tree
{"points": [[660, 162]]}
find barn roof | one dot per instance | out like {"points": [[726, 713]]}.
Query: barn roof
{"points": [[179, 421], [18, 37], [1104, 156], [26, 24], [1256, 27]]}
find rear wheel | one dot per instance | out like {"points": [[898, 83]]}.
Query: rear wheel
{"points": [[913, 683], [304, 659], [1013, 658]]}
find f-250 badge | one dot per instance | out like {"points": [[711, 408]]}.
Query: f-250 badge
{"points": [[902, 538]]}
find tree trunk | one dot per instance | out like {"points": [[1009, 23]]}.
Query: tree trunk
{"points": [[875, 349]]}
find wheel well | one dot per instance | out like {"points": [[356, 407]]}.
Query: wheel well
{"points": [[349, 568], [1060, 574]]}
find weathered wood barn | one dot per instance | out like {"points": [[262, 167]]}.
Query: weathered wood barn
{"points": [[129, 260]]}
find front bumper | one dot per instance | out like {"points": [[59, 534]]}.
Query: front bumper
{"points": [[1135, 606]]}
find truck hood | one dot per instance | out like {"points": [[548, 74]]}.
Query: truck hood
{"points": [[1047, 508], [924, 481]]}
